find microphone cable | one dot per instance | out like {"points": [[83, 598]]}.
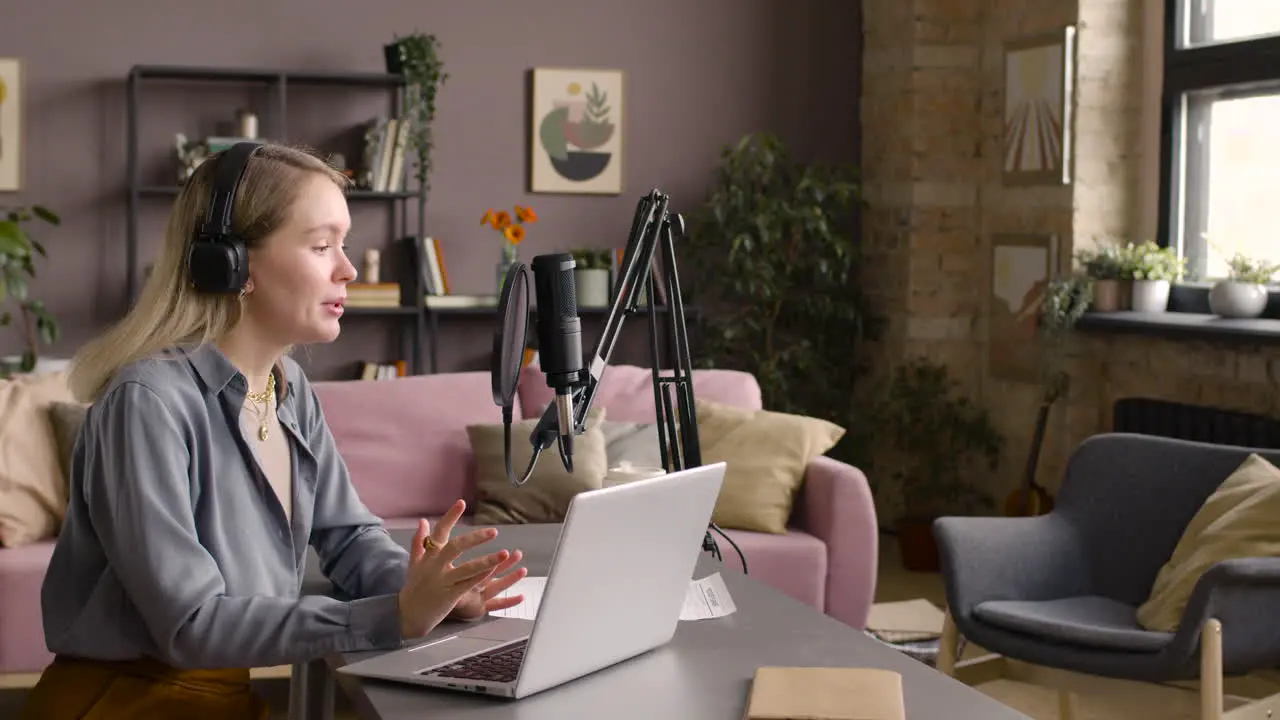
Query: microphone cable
{"points": [[507, 419]]}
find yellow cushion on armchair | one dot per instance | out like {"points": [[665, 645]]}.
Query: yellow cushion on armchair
{"points": [[766, 454], [1239, 520]]}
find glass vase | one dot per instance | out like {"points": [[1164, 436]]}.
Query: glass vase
{"points": [[508, 259]]}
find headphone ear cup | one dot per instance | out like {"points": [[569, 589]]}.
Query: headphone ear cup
{"points": [[218, 265]]}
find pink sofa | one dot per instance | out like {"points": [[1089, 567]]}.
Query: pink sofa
{"points": [[406, 446], [827, 560]]}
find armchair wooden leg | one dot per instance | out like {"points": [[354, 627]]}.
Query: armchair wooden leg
{"points": [[948, 646], [1211, 670], [1066, 705]]}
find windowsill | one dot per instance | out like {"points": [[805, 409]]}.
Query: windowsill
{"points": [[1189, 318], [1183, 326]]}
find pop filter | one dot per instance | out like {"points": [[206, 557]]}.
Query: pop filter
{"points": [[509, 341]]}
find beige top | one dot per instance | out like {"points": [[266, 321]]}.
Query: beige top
{"points": [[272, 453]]}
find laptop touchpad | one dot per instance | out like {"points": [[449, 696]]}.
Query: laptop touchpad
{"points": [[501, 629], [448, 650]]}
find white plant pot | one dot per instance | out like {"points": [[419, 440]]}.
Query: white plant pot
{"points": [[1234, 299], [43, 364], [592, 285], [1150, 296]]}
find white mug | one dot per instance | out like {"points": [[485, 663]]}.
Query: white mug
{"points": [[626, 472]]}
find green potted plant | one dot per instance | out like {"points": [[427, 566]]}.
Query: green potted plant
{"points": [[417, 57], [1154, 270], [1065, 301], [1108, 266], [1243, 294], [18, 250], [591, 276], [774, 248], [938, 440]]}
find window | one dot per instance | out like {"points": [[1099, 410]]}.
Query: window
{"points": [[1220, 171]]}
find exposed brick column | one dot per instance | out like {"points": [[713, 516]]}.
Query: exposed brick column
{"points": [[932, 124]]}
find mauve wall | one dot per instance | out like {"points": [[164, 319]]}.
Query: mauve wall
{"points": [[698, 75]]}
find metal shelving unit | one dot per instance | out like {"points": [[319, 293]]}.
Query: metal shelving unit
{"points": [[274, 126]]}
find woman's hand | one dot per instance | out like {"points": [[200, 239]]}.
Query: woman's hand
{"points": [[469, 601], [434, 585], [483, 598]]}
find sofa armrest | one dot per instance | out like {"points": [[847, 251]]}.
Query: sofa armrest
{"points": [[994, 558], [835, 506]]}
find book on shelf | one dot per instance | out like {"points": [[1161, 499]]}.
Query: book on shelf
{"points": [[435, 277], [441, 302], [383, 294], [825, 693], [383, 371], [384, 152]]}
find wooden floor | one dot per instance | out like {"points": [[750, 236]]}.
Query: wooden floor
{"points": [[895, 583]]}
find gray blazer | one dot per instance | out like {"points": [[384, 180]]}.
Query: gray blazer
{"points": [[175, 546]]}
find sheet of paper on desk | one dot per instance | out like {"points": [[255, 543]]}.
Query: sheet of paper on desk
{"points": [[705, 598]]}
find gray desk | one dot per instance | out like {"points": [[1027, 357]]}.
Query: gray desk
{"points": [[703, 674]]}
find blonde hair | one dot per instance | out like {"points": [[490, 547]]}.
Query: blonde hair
{"points": [[170, 312]]}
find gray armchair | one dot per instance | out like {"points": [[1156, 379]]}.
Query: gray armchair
{"points": [[1060, 592]]}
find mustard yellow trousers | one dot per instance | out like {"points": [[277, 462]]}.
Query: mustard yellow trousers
{"points": [[80, 689]]}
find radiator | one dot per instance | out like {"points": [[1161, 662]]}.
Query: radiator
{"points": [[1195, 422]]}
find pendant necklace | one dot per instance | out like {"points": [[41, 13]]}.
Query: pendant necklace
{"points": [[263, 398]]}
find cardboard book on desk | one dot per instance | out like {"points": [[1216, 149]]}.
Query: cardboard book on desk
{"points": [[825, 693]]}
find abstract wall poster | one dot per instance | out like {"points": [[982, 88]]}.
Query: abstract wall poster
{"points": [[576, 134], [1038, 92]]}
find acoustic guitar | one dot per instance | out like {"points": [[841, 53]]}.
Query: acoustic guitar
{"points": [[1032, 499]]}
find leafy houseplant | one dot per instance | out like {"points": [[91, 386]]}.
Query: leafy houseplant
{"points": [[935, 435], [1154, 270], [1244, 293], [1110, 269], [591, 276], [774, 248], [17, 267], [1065, 301], [417, 58]]}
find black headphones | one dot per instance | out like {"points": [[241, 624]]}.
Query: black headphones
{"points": [[217, 259]]}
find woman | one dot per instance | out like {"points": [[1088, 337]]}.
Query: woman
{"points": [[204, 468]]}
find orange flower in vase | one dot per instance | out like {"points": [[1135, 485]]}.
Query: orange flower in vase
{"points": [[512, 232]]}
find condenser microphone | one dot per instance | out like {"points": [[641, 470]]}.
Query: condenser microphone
{"points": [[559, 339]]}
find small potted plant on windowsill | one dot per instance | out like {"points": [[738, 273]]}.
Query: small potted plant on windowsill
{"points": [[591, 276], [1155, 269], [1243, 294], [1109, 269]]}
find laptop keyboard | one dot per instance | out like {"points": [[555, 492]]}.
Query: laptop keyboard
{"points": [[497, 665]]}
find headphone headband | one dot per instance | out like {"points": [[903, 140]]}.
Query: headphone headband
{"points": [[226, 182], [217, 260]]}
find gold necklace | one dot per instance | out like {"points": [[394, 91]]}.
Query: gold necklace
{"points": [[263, 398]]}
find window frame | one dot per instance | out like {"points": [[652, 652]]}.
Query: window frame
{"points": [[1239, 67]]}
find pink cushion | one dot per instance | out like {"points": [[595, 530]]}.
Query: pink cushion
{"points": [[626, 391], [794, 563], [405, 439], [22, 648]]}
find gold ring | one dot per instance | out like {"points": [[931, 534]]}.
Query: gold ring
{"points": [[428, 544]]}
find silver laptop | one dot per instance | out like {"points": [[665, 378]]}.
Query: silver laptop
{"points": [[614, 590]]}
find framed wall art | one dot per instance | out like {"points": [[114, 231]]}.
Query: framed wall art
{"points": [[1039, 84], [10, 124], [1022, 265], [576, 134]]}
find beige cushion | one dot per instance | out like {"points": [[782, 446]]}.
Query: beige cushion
{"points": [[545, 497], [766, 453], [67, 417], [33, 488], [1238, 520]]}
